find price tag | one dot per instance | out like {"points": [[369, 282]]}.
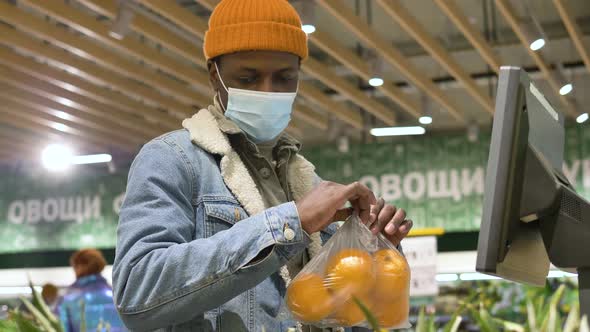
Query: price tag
{"points": [[421, 255]]}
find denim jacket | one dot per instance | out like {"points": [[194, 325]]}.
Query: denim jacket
{"points": [[192, 236]]}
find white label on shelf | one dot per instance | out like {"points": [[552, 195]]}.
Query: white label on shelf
{"points": [[423, 282], [421, 255]]}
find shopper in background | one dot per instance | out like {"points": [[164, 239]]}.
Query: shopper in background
{"points": [[91, 292], [220, 216]]}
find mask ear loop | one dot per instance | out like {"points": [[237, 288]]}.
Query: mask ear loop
{"points": [[223, 84]]}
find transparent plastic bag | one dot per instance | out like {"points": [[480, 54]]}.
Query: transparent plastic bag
{"points": [[354, 265]]}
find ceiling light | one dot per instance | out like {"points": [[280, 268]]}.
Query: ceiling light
{"points": [[91, 159], [307, 13], [308, 28], [567, 88], [343, 144], [56, 157], [426, 106], [472, 132], [120, 26], [582, 118], [537, 44], [398, 131], [376, 67], [376, 81], [425, 120]]}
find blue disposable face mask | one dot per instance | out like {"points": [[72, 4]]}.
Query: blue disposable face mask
{"points": [[261, 115]]}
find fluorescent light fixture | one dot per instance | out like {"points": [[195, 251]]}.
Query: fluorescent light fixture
{"points": [[566, 89], [425, 120], [91, 159], [582, 118], [398, 131], [12, 290], [56, 157], [445, 277], [376, 81], [476, 276], [537, 44], [308, 28]]}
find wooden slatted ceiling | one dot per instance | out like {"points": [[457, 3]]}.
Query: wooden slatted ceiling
{"points": [[396, 10], [509, 15], [120, 93], [49, 135], [91, 50], [574, 30], [78, 103], [364, 32], [175, 13], [450, 8], [90, 71], [62, 79], [140, 24]]}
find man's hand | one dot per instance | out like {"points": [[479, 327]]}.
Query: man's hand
{"points": [[321, 206], [390, 221]]}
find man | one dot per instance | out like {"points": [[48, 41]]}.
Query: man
{"points": [[218, 217]]}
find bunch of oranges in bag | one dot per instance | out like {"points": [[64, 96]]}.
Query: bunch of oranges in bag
{"points": [[379, 280]]}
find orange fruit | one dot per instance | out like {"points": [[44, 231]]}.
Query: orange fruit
{"points": [[392, 314], [392, 275], [350, 272], [308, 299], [349, 313]]}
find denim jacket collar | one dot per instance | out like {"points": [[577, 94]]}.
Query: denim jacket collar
{"points": [[205, 133]]}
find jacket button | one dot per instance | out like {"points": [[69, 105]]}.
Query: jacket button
{"points": [[289, 234], [265, 173]]}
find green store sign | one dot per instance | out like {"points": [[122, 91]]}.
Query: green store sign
{"points": [[65, 211], [439, 180]]}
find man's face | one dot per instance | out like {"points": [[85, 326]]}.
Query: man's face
{"points": [[266, 71]]}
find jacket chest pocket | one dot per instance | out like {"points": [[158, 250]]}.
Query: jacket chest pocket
{"points": [[220, 216]]}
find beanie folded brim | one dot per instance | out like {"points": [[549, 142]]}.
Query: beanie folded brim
{"points": [[255, 36]]}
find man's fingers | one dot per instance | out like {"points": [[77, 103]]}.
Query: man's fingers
{"points": [[375, 211], [364, 213], [360, 192], [405, 227], [396, 221], [402, 232], [385, 216], [343, 214]]}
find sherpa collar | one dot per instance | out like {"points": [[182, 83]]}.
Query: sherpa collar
{"points": [[205, 133]]}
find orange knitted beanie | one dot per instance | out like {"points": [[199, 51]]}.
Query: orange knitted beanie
{"points": [[254, 25]]}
